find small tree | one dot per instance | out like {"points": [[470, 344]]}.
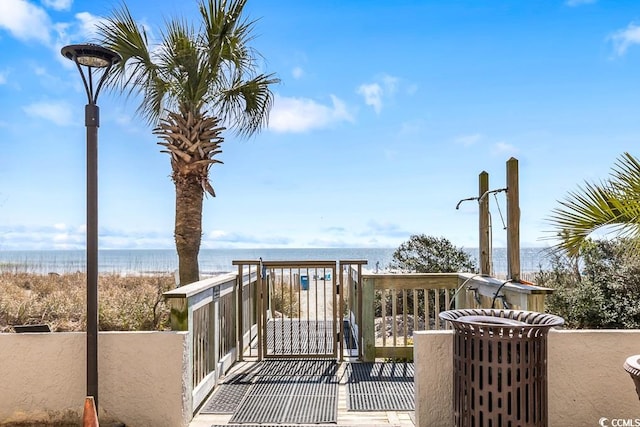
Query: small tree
{"points": [[424, 254], [428, 254]]}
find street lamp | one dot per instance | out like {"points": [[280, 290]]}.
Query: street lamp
{"points": [[92, 56]]}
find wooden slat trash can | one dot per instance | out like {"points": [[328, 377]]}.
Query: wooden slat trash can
{"points": [[632, 366], [500, 367]]}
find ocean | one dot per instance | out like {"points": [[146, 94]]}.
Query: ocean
{"points": [[214, 261]]}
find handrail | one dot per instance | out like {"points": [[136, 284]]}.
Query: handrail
{"points": [[204, 285], [208, 309]]}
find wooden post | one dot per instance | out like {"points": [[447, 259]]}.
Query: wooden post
{"points": [[513, 221], [240, 311], [179, 313], [358, 294], [261, 313], [535, 302], [368, 319], [484, 249]]}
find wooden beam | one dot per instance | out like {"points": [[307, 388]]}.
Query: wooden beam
{"points": [[513, 220], [367, 327], [484, 248], [413, 281]]}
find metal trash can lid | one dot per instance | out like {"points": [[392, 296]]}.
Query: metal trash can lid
{"points": [[632, 365], [490, 321], [504, 318]]}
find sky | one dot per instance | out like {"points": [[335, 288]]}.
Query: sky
{"points": [[386, 114]]}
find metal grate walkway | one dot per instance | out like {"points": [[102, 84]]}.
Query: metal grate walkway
{"points": [[320, 392], [380, 387], [299, 337], [280, 391]]}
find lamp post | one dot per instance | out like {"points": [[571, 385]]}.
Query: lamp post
{"points": [[92, 57]]}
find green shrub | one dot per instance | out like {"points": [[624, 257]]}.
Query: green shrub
{"points": [[600, 289], [423, 254]]}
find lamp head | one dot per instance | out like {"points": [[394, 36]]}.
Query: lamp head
{"points": [[91, 55]]}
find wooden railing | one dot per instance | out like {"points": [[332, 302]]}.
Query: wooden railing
{"points": [[209, 310], [381, 311], [395, 305]]}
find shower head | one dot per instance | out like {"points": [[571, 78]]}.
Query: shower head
{"points": [[464, 200]]}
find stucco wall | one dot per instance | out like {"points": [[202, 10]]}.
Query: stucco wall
{"points": [[586, 379], [141, 377]]}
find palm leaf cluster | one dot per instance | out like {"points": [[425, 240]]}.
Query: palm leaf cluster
{"points": [[209, 73], [612, 206]]}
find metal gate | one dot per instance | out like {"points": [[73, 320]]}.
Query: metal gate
{"points": [[299, 310]]}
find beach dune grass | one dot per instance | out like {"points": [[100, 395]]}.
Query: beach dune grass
{"points": [[126, 303]]}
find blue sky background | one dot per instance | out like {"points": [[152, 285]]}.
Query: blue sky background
{"points": [[386, 114]]}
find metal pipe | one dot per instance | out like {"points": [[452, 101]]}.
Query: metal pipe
{"points": [[465, 200], [499, 190], [92, 122]]}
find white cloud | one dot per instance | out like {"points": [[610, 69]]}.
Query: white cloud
{"points": [[58, 4], [573, 3], [623, 39], [501, 148], [25, 21], [385, 87], [88, 24], [468, 140], [390, 84], [372, 94], [412, 127], [297, 73], [3, 77], [303, 114], [56, 112]]}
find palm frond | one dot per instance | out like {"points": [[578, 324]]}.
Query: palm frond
{"points": [[184, 61], [226, 33], [136, 73], [247, 104], [612, 206], [211, 68]]}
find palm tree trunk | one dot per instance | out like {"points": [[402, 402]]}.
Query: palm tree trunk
{"points": [[188, 227]]}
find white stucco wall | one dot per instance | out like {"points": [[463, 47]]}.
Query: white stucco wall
{"points": [[433, 359], [141, 377], [586, 379]]}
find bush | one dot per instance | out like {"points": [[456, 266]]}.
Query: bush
{"points": [[125, 302], [601, 289], [428, 254], [423, 254]]}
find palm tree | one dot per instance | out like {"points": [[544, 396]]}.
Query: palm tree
{"points": [[611, 206], [193, 85]]}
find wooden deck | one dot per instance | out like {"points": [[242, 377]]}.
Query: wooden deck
{"points": [[345, 417]]}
